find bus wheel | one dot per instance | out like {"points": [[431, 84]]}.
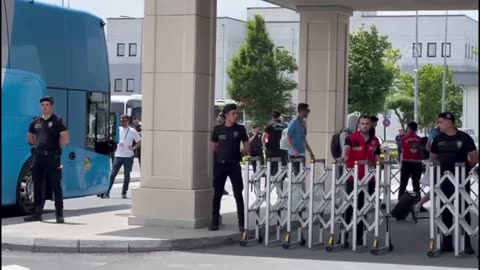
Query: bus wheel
{"points": [[25, 189]]}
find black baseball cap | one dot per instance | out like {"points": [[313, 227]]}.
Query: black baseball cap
{"points": [[46, 98], [228, 108], [374, 118], [447, 115]]}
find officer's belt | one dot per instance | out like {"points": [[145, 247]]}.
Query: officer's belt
{"points": [[46, 153]]}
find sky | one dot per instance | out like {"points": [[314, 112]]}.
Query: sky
{"points": [[225, 8]]}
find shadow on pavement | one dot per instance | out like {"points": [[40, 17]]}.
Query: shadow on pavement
{"points": [[48, 214], [410, 242]]}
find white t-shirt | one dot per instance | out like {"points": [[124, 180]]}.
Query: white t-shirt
{"points": [[127, 136]]}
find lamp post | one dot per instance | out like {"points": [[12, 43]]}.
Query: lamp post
{"points": [[444, 63], [415, 50]]}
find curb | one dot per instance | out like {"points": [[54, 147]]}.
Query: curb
{"points": [[113, 246], [132, 180]]}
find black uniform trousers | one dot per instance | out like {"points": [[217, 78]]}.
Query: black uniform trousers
{"points": [[277, 153], [234, 172], [46, 169], [448, 189], [254, 163], [410, 169], [349, 211]]}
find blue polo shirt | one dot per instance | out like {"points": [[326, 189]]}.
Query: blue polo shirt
{"points": [[297, 132]]}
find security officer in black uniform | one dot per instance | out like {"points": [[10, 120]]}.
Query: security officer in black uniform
{"points": [[449, 147], [225, 143], [47, 134]]}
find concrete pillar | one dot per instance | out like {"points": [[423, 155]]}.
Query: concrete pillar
{"points": [[323, 79], [178, 88]]}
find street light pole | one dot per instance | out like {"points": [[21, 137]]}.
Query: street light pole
{"points": [[444, 63], [415, 50]]}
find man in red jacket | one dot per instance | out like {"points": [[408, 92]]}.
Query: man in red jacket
{"points": [[361, 145], [411, 160]]}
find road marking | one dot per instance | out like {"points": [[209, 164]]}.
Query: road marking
{"points": [[14, 267]]}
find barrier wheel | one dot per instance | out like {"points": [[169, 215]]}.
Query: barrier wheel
{"points": [[329, 249], [374, 251], [286, 246], [243, 243], [430, 254]]}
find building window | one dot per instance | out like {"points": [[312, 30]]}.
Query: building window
{"points": [[432, 50], [466, 50], [475, 52], [118, 85], [130, 87], [132, 49], [448, 49], [417, 50], [120, 49], [471, 54]]}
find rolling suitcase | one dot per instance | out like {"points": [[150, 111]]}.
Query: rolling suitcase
{"points": [[405, 205]]}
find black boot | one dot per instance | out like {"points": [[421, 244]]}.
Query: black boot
{"points": [[59, 214], [241, 222], [214, 225], [468, 246], [447, 244], [37, 216]]}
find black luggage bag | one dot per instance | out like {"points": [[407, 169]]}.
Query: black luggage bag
{"points": [[405, 205]]}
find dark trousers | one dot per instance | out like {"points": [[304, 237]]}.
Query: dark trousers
{"points": [[361, 197], [277, 153], [254, 163], [118, 162], [234, 172], [138, 154], [410, 169], [46, 169], [447, 217], [296, 165]]}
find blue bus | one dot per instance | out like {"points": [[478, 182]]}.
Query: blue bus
{"points": [[60, 52]]}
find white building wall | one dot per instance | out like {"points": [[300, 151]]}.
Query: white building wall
{"points": [[231, 34], [127, 31]]}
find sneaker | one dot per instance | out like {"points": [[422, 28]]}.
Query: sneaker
{"points": [[106, 196], [124, 196], [423, 209], [225, 192]]}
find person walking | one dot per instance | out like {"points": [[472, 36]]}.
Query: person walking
{"points": [[297, 136], [124, 155], [138, 127], [256, 149], [271, 141], [411, 161], [398, 140]]}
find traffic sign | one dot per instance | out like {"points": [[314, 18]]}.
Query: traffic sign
{"points": [[386, 122]]}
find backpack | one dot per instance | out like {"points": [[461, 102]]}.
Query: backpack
{"points": [[335, 144], [283, 140]]}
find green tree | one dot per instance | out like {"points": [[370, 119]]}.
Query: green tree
{"points": [[372, 68], [401, 99], [430, 95], [260, 74]]}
